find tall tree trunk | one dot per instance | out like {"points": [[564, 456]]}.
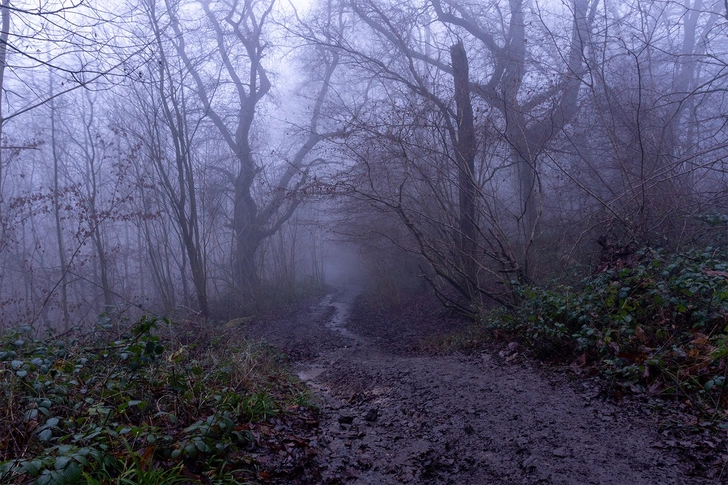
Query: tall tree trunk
{"points": [[179, 179], [465, 157], [57, 215], [4, 34], [92, 189]]}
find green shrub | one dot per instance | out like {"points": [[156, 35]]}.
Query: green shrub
{"points": [[658, 323], [124, 411]]}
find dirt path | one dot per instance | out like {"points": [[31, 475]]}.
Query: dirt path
{"points": [[393, 416]]}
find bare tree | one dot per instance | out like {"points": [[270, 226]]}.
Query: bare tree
{"points": [[455, 128], [168, 132], [644, 150], [238, 30]]}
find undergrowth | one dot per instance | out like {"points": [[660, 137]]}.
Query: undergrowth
{"points": [[656, 324], [137, 410]]}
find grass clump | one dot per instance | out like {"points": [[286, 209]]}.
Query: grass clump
{"points": [[136, 410]]}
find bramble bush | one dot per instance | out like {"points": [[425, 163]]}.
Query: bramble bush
{"points": [[657, 323]]}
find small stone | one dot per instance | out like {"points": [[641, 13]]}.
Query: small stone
{"points": [[529, 463], [346, 419], [522, 443], [372, 415]]}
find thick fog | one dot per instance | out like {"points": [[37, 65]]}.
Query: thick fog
{"points": [[206, 158]]}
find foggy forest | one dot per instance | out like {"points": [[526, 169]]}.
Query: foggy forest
{"points": [[186, 157], [546, 178]]}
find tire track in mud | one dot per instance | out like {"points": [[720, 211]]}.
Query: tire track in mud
{"points": [[391, 418]]}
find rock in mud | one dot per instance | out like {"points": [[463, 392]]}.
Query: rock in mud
{"points": [[343, 419], [372, 415], [529, 463]]}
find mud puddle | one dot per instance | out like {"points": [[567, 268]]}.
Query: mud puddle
{"points": [[342, 302]]}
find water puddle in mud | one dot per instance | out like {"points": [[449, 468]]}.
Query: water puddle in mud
{"points": [[342, 302], [343, 306], [310, 372]]}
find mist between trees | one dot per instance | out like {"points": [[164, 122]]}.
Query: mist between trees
{"points": [[199, 156]]}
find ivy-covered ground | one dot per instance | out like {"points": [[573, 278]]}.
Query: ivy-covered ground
{"points": [[143, 409], [654, 323]]}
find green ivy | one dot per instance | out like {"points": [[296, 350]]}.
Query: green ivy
{"points": [[659, 322], [90, 413]]}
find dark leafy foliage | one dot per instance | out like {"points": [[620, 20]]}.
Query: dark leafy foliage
{"points": [[136, 410], [657, 323]]}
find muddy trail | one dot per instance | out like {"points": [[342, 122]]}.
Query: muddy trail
{"points": [[391, 413]]}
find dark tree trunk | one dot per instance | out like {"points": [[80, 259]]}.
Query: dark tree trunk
{"points": [[247, 237], [465, 151]]}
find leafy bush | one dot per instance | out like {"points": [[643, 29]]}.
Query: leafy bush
{"points": [[131, 411], [658, 323]]}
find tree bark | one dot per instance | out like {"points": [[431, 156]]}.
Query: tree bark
{"points": [[57, 216], [4, 34], [465, 151]]}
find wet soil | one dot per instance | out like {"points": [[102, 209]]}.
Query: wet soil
{"points": [[391, 413]]}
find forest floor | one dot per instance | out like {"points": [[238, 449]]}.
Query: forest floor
{"points": [[393, 411]]}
